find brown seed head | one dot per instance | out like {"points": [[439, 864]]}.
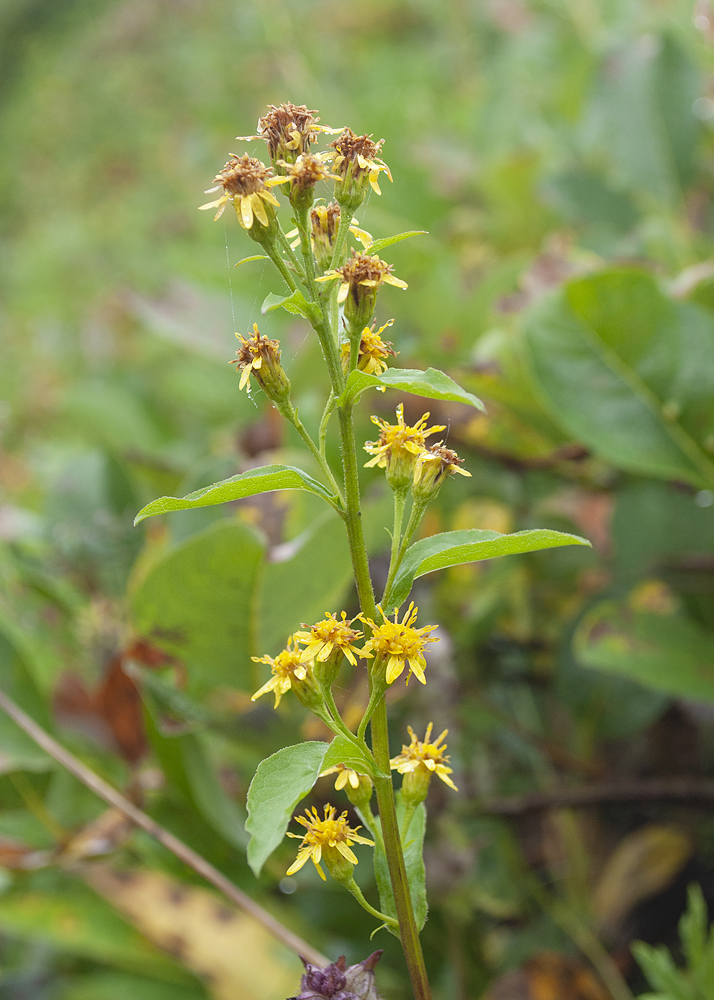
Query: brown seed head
{"points": [[288, 127], [242, 175], [351, 148], [364, 269], [307, 170]]}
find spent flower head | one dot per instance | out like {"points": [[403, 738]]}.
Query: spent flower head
{"points": [[425, 757], [338, 982], [361, 275], [398, 644], [246, 183], [328, 839], [290, 669], [356, 159], [432, 467], [289, 130], [260, 356], [373, 351]]}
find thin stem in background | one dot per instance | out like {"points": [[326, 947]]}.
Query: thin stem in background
{"points": [[177, 847]]}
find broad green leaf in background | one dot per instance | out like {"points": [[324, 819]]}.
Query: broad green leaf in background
{"points": [[197, 603], [185, 762], [17, 751], [630, 373], [277, 787], [667, 652], [452, 548], [263, 480], [387, 241], [120, 985], [430, 383], [414, 862]]}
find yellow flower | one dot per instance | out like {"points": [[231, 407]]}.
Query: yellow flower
{"points": [[431, 468], [400, 644], [246, 182], [330, 634], [290, 669], [345, 775], [306, 171], [425, 756], [328, 839], [356, 159], [260, 356], [373, 351], [361, 276], [395, 439]]}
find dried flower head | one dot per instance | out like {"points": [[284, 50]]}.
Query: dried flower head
{"points": [[260, 356], [432, 467], [338, 982], [425, 756], [330, 635], [361, 275], [400, 644], [291, 668], [289, 130], [306, 171], [246, 182], [329, 839], [356, 160], [373, 351]]}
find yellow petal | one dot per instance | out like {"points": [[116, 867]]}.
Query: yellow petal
{"points": [[261, 214], [341, 781], [269, 197], [394, 669], [346, 852], [244, 376], [397, 282], [246, 211], [342, 294], [373, 180]]}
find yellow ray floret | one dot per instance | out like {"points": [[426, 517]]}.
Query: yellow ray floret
{"points": [[425, 755], [323, 836], [399, 437], [328, 635], [400, 645], [289, 668]]}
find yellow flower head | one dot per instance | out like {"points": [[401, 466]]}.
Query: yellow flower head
{"points": [[246, 182], [330, 839], [361, 276], [260, 356], [289, 130], [423, 755], [345, 775], [431, 468], [396, 439], [290, 669], [306, 171], [400, 644], [328, 635], [356, 158], [373, 351]]}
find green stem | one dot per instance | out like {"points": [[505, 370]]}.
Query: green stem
{"points": [[343, 231], [285, 244], [376, 694], [292, 415], [353, 514], [355, 890], [417, 512], [343, 729], [371, 822], [325, 419], [395, 858], [281, 266]]}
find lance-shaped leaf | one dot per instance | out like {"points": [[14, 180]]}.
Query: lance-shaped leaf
{"points": [[432, 383], [295, 303], [279, 784], [452, 548], [266, 479], [377, 245]]}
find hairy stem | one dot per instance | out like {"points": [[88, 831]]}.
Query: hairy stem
{"points": [[417, 512]]}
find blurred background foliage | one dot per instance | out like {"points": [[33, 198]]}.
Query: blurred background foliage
{"points": [[561, 156]]}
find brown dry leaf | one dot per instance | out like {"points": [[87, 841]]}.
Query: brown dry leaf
{"points": [[102, 836], [549, 976], [234, 955], [642, 864]]}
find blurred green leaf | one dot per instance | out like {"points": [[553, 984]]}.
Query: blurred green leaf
{"points": [[376, 246], [664, 651], [647, 363], [17, 751], [263, 480], [453, 548], [121, 985], [432, 383], [279, 784], [197, 603], [296, 303]]}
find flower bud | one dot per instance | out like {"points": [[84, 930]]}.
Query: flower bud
{"points": [[324, 220]]}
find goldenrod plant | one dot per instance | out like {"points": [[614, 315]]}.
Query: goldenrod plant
{"points": [[333, 277]]}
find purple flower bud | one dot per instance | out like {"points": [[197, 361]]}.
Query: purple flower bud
{"points": [[337, 982]]}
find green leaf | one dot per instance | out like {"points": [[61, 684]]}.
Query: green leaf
{"points": [[266, 479], [279, 784], [17, 751], [432, 383], [295, 303], [630, 373], [378, 245], [667, 652], [452, 548], [247, 260], [344, 751], [197, 603], [414, 862]]}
